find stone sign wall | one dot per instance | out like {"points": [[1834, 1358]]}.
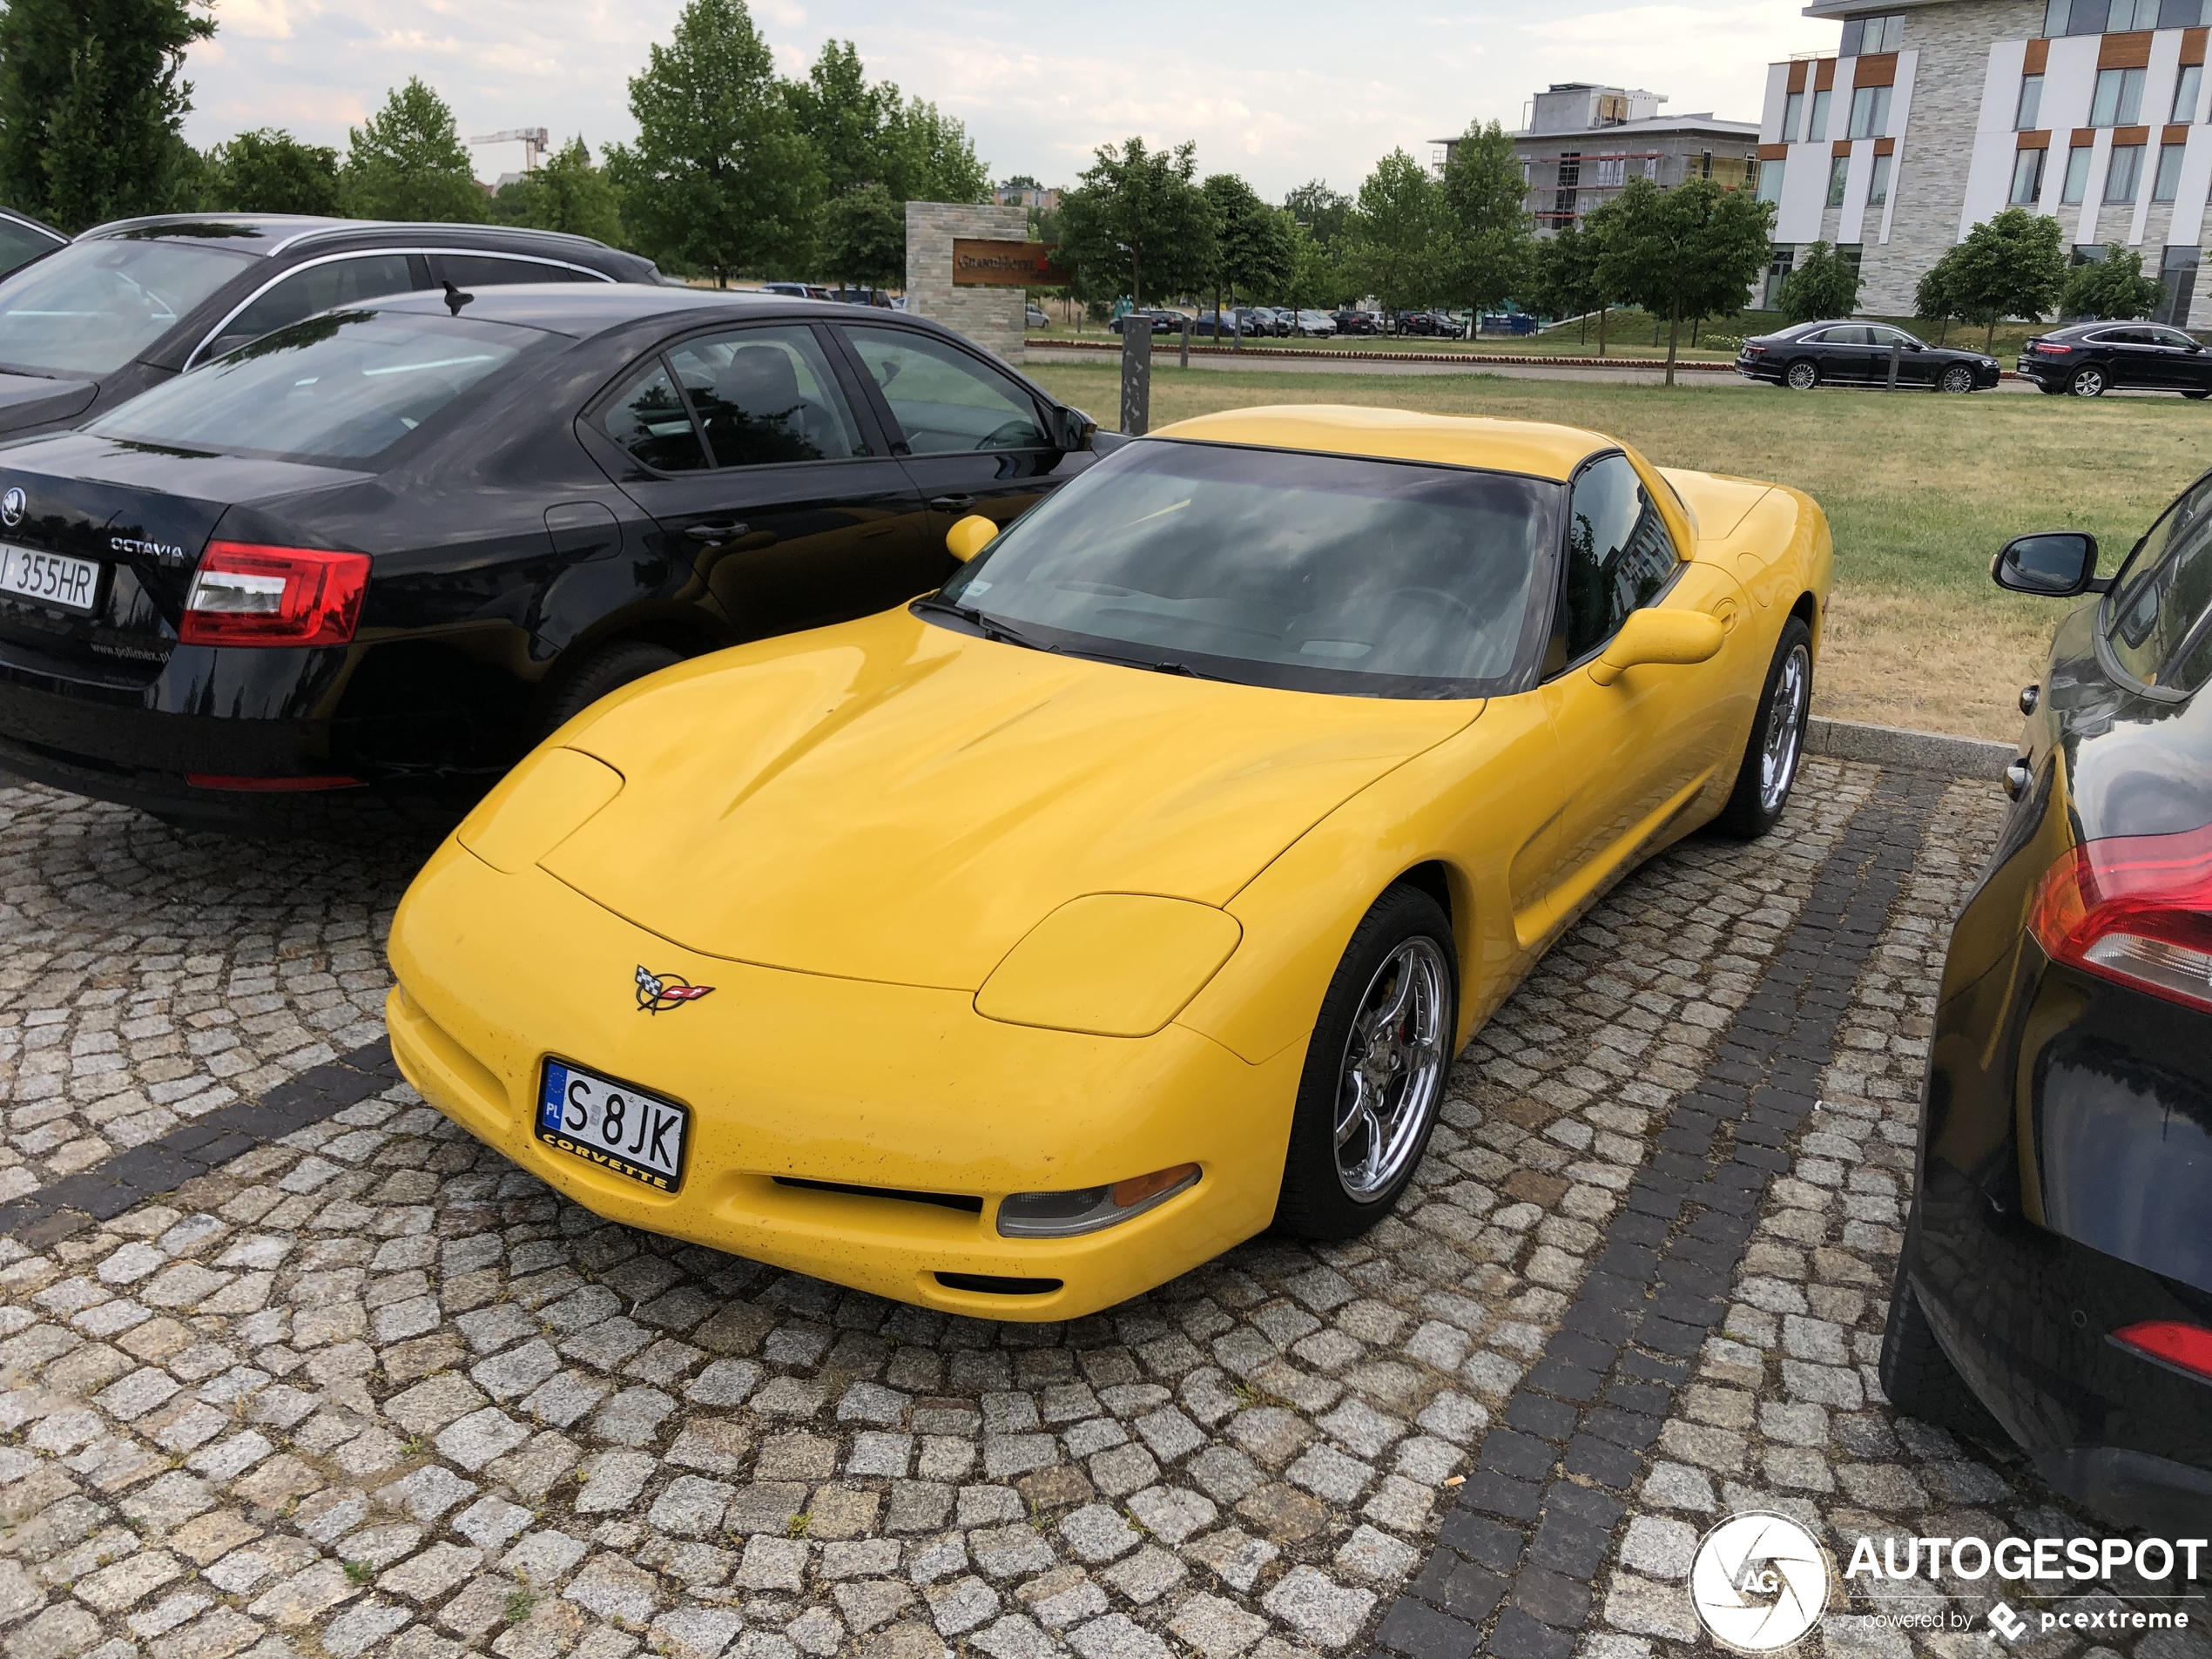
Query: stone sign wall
{"points": [[990, 317]]}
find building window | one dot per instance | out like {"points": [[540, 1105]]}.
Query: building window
{"points": [[2123, 172], [2185, 90], [1838, 173], [2074, 17], [1770, 180], [2077, 175], [2182, 14], [1609, 170], [1866, 35], [2028, 117], [2178, 274], [2119, 99], [1869, 110], [1777, 270], [2167, 185], [1793, 118], [1819, 129], [1878, 183], [2028, 178], [2127, 15]]}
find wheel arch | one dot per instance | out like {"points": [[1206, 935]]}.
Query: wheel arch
{"points": [[1453, 891]]}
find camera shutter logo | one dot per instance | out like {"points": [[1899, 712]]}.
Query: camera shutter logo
{"points": [[11, 506], [1759, 1581]]}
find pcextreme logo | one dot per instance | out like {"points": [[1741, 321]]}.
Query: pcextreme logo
{"points": [[1760, 1582]]}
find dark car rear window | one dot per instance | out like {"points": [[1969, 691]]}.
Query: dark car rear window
{"points": [[339, 389], [90, 308]]}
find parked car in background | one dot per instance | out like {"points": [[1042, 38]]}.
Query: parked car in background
{"points": [[1317, 323], [23, 239], [128, 306], [2090, 359], [1033, 317], [1431, 323], [1357, 322], [797, 290], [1841, 353], [2055, 1285], [1164, 321], [382, 552]]}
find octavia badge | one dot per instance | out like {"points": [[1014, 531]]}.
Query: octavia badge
{"points": [[11, 505], [659, 991]]}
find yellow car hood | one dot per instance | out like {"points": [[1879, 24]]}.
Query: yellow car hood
{"points": [[892, 800]]}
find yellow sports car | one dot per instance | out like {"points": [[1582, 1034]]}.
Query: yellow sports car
{"points": [[1016, 950]]}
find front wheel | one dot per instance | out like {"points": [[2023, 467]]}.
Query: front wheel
{"points": [[605, 670], [1778, 741], [2088, 382], [1959, 378], [2196, 397], [1374, 1072], [1802, 375]]}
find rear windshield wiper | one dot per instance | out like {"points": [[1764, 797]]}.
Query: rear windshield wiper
{"points": [[989, 627]]}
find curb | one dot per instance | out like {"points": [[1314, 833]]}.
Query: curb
{"points": [[1894, 746]]}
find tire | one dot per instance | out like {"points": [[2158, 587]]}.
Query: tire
{"points": [[1919, 1376], [1802, 375], [1959, 379], [1401, 952], [2196, 397], [2089, 382], [609, 669], [1777, 745], [2051, 391]]}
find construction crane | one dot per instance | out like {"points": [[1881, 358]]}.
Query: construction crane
{"points": [[533, 140]]}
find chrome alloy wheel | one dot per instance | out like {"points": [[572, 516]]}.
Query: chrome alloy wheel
{"points": [[1393, 1072], [1803, 376], [1786, 730], [1959, 378], [2088, 383]]}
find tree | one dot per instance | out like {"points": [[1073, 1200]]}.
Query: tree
{"points": [[2011, 265], [1686, 253], [1324, 212], [408, 162], [1822, 284], [568, 193], [1392, 240], [864, 237], [1484, 201], [1020, 181], [1137, 214], [1564, 277], [1317, 280], [268, 171], [1935, 296], [720, 178], [872, 134], [929, 156], [2113, 288], [92, 101], [1254, 249]]}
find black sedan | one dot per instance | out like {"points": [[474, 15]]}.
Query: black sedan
{"points": [[370, 559], [2056, 1279], [1356, 322], [1840, 353], [127, 305], [1164, 322], [2091, 358]]}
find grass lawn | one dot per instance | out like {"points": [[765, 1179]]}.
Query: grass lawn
{"points": [[1920, 491]]}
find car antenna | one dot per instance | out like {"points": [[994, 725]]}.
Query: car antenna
{"points": [[455, 297]]}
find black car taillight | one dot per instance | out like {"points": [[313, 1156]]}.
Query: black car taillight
{"points": [[247, 595], [2136, 908], [2186, 1347]]}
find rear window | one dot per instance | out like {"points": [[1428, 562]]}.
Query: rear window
{"points": [[90, 308], [2156, 618], [339, 389]]}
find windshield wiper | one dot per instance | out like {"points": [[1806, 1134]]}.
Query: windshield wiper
{"points": [[989, 627], [1170, 667]]}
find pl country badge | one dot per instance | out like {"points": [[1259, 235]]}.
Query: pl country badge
{"points": [[658, 992]]}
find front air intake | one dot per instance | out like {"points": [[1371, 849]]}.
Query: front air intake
{"points": [[966, 1203], [997, 1285]]}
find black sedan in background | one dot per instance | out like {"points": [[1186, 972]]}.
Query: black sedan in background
{"points": [[2057, 1270], [2090, 359], [23, 239], [130, 304], [1841, 353], [1356, 322], [370, 559]]}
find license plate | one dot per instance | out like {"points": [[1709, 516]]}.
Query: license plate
{"points": [[49, 578], [621, 1129]]}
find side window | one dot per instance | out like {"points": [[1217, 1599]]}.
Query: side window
{"points": [[340, 282], [20, 244], [484, 270], [2164, 592], [648, 420], [1618, 553], [765, 395], [946, 401]]}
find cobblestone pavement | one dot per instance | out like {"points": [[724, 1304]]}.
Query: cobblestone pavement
{"points": [[369, 1389]]}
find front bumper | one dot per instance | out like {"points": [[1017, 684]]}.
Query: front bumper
{"points": [[901, 1089]]}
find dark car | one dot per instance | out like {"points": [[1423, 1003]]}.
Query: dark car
{"points": [[23, 239], [2056, 1275], [127, 305], [1841, 353], [1164, 322], [2090, 359], [1430, 323], [1357, 322], [368, 559]]}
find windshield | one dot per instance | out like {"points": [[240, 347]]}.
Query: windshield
{"points": [[1272, 567], [338, 389], [90, 308]]}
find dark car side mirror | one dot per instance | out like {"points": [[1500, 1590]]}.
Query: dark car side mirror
{"points": [[2053, 564], [1077, 430]]}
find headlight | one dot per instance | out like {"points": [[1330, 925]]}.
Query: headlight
{"points": [[1112, 964], [1063, 1215], [538, 807]]}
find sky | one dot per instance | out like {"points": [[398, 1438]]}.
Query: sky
{"points": [[1280, 94]]}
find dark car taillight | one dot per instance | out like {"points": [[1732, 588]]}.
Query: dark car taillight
{"points": [[247, 595], [1752, 350], [2136, 909], [2046, 348], [2186, 1347]]}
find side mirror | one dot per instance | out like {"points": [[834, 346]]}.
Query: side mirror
{"points": [[970, 536], [1077, 430], [1670, 636], [2055, 565]]}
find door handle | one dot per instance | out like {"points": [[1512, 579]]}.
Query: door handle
{"points": [[727, 530], [952, 504]]}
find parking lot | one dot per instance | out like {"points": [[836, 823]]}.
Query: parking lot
{"points": [[367, 1388]]}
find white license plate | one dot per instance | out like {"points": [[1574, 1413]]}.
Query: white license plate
{"points": [[621, 1129], [49, 578]]}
